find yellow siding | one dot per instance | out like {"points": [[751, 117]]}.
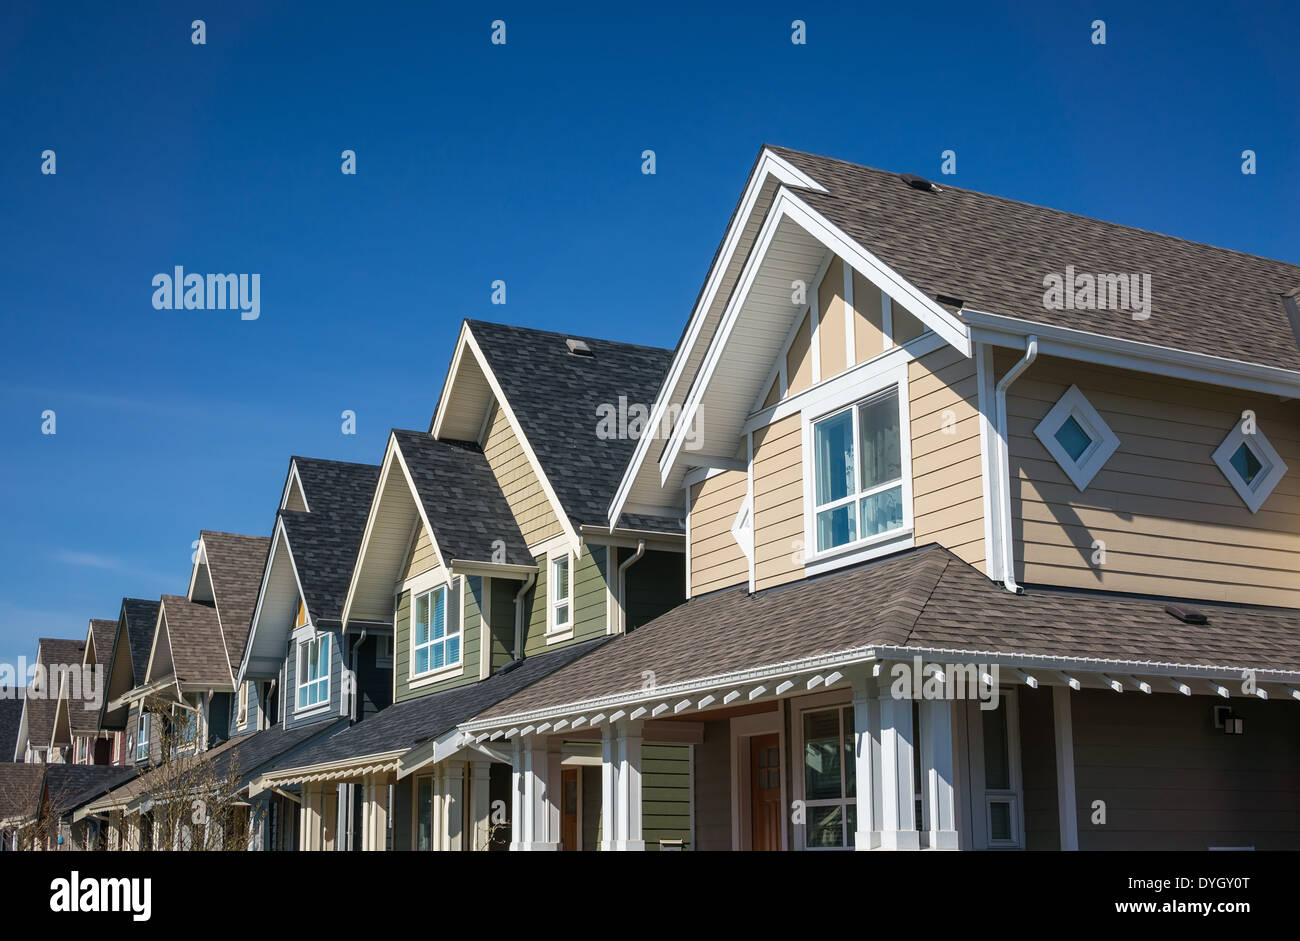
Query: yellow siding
{"points": [[868, 330], [716, 558], [798, 359], [422, 555], [1170, 521], [523, 491], [905, 325], [831, 328], [947, 489], [778, 503]]}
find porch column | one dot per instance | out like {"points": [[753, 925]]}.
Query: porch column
{"points": [[866, 757], [897, 778], [538, 796], [454, 797], [629, 835], [480, 804], [938, 800], [1065, 800], [517, 802], [437, 811], [374, 814], [608, 786], [304, 819]]}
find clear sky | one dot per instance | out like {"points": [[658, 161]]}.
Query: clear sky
{"points": [[478, 162]]}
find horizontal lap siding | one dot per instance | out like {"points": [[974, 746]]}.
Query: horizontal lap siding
{"points": [[422, 555], [716, 558], [947, 487], [588, 601], [519, 483], [713, 787], [778, 503], [503, 621], [1170, 521], [463, 604], [665, 794]]}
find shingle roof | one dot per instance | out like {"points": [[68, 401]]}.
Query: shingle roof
{"points": [[194, 633], [54, 651], [993, 253], [20, 789], [324, 541], [925, 598], [235, 564], [11, 717], [102, 631], [70, 786], [40, 716], [141, 621], [555, 395], [461, 497], [82, 720], [410, 723], [251, 754]]}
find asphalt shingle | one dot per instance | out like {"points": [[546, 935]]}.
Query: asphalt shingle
{"points": [[194, 633], [235, 564]]}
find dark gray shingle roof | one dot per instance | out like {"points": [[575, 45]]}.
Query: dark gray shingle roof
{"points": [[11, 716], [141, 618], [20, 789], [102, 631], [993, 253], [70, 786], [55, 651]]}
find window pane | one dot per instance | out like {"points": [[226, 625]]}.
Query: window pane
{"points": [[833, 454], [836, 527], [560, 573], [822, 755], [850, 755], [422, 660], [882, 459], [422, 619], [997, 770], [562, 614], [438, 625], [851, 823], [882, 511], [1000, 820], [453, 650], [1073, 438], [1246, 464], [439, 655], [825, 826]]}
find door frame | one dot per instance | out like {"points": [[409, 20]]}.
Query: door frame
{"points": [[743, 728]]}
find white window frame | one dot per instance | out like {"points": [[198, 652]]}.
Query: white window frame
{"points": [[557, 630], [982, 797], [83, 752], [822, 702], [1272, 469], [742, 530], [144, 735], [241, 713], [1074, 404], [448, 667], [836, 398], [321, 683]]}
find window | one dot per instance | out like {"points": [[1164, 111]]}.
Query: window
{"points": [[830, 772], [186, 723], [1077, 437], [858, 472], [383, 650], [561, 604], [314, 671], [1250, 463], [999, 788], [81, 751], [143, 727], [241, 716], [742, 530], [437, 644]]}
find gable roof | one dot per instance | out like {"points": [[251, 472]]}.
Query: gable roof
{"points": [[39, 709], [993, 253], [101, 635], [461, 499], [235, 565], [54, 651], [192, 632], [20, 790], [140, 618], [11, 714], [70, 786]]}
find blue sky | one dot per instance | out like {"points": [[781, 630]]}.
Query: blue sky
{"points": [[477, 162]]}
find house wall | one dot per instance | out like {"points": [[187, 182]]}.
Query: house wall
{"points": [[778, 503], [293, 718], [464, 598], [1038, 768], [374, 680], [502, 618], [518, 481], [712, 788], [666, 794], [589, 600], [1171, 522], [656, 583], [716, 558]]}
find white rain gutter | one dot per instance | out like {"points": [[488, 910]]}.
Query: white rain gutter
{"points": [[519, 614], [1003, 473]]}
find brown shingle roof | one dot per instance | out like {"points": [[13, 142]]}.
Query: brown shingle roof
{"points": [[235, 563], [194, 633], [993, 253], [103, 632], [40, 708], [20, 790]]}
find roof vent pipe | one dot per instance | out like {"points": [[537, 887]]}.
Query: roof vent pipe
{"points": [[1004, 464]]}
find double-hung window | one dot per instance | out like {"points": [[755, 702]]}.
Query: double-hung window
{"points": [[858, 472], [561, 604], [437, 643], [314, 671], [142, 739]]}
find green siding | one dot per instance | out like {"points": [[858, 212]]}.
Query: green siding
{"points": [[666, 794], [589, 607], [503, 621], [471, 632]]}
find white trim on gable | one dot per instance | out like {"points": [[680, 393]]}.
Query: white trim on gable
{"points": [[291, 484]]}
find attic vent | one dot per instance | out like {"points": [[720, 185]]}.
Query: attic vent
{"points": [[1186, 615], [950, 300], [578, 347], [920, 183]]}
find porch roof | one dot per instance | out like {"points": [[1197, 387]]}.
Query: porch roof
{"points": [[923, 602]]}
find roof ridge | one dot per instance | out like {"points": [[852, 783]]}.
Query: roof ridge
{"points": [[574, 336]]}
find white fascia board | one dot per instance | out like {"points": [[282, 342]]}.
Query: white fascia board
{"points": [[419, 507], [384, 468], [768, 165], [293, 479], [435, 427], [200, 560], [276, 537], [1001, 330]]}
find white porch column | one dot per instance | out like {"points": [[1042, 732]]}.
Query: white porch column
{"points": [[517, 802], [608, 787], [480, 804], [437, 811], [1065, 800], [938, 797], [629, 835], [374, 814], [866, 756], [897, 777], [537, 797], [454, 797], [554, 791]]}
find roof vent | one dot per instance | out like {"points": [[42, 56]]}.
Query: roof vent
{"points": [[950, 300], [1186, 615], [578, 347], [920, 183]]}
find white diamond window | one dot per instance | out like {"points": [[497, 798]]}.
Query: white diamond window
{"points": [[1250, 463], [1077, 437], [742, 530]]}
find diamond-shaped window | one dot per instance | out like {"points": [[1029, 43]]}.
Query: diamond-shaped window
{"points": [[1250, 463], [1077, 437]]}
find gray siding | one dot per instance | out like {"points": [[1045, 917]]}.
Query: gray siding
{"points": [[292, 718], [713, 787], [1038, 769]]}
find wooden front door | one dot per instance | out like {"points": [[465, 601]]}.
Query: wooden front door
{"points": [[765, 792], [569, 810]]}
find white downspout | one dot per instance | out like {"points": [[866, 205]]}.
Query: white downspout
{"points": [[356, 662], [622, 584], [1004, 464], [519, 614]]}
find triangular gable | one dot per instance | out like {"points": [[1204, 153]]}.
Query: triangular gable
{"points": [[294, 496], [161, 665], [277, 603], [121, 672]]}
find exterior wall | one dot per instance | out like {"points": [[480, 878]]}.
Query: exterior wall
{"points": [[716, 558], [523, 491], [591, 801], [374, 679], [778, 503], [1038, 768], [589, 601], [798, 359], [1172, 781], [1170, 521], [712, 787], [421, 558], [464, 599], [947, 480], [332, 708], [654, 585], [832, 329], [502, 617], [666, 794]]}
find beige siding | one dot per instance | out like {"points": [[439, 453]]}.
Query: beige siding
{"points": [[716, 558], [947, 489], [1170, 521], [831, 329], [905, 324], [778, 503], [422, 557], [523, 491], [798, 359], [868, 330], [773, 394]]}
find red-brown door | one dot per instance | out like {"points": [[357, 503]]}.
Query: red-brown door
{"points": [[569, 807], [765, 792]]}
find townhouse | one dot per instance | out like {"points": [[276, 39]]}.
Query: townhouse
{"points": [[55, 658], [967, 567], [486, 546], [76, 731]]}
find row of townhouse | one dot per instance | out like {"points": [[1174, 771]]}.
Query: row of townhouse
{"points": [[922, 540]]}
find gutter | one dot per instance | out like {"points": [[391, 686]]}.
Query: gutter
{"points": [[356, 687], [519, 615], [1003, 471], [622, 584]]}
